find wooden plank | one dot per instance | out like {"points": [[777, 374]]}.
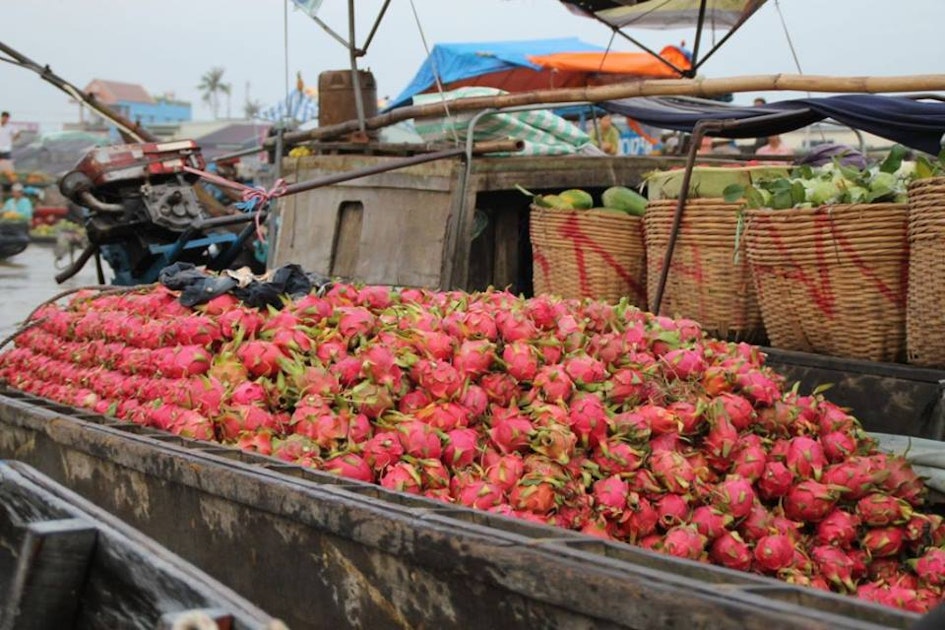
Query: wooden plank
{"points": [[50, 575], [506, 269]]}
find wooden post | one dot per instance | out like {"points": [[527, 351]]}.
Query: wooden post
{"points": [[50, 575]]}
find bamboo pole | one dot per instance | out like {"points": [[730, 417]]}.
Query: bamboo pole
{"points": [[700, 87]]}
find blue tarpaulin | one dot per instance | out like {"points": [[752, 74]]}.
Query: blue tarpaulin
{"points": [[916, 124], [454, 62]]}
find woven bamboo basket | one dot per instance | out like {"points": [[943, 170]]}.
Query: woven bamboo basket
{"points": [[709, 279], [588, 254], [925, 302], [832, 280]]}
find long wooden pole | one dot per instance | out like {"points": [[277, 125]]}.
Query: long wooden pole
{"points": [[705, 88]]}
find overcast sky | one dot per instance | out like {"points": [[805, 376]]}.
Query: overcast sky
{"points": [[166, 45]]}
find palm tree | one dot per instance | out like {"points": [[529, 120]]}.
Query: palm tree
{"points": [[251, 109], [211, 84]]}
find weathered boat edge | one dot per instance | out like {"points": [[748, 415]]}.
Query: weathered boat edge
{"points": [[301, 544]]}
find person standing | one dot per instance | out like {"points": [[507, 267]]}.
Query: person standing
{"points": [[18, 203], [775, 147], [7, 136], [605, 136]]}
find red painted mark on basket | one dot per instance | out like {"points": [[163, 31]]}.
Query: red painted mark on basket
{"points": [[571, 230], [543, 265], [818, 288], [896, 295]]}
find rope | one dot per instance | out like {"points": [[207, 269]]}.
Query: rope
{"points": [[255, 198], [436, 73], [790, 42]]}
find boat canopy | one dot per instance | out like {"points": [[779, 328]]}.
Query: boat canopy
{"points": [[918, 124], [667, 14], [623, 16], [519, 66]]}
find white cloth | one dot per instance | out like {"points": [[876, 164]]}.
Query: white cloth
{"points": [[6, 138]]}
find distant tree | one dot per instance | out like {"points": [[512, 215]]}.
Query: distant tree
{"points": [[212, 85], [251, 109]]}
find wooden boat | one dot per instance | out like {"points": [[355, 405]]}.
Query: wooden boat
{"points": [[65, 563], [319, 550]]}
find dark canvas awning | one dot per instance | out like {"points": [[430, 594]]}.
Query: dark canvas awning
{"points": [[913, 123], [667, 14], [624, 15]]}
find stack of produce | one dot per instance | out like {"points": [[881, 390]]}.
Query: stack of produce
{"points": [[580, 251], [589, 416], [614, 198]]}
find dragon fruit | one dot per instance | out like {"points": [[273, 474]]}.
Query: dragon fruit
{"points": [[774, 553], [838, 528], [684, 542], [809, 501], [878, 510], [734, 496], [729, 550]]}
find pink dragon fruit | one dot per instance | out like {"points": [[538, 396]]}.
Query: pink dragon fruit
{"points": [[382, 450], [750, 462], [835, 565], [838, 528], [809, 501], [350, 465], [734, 496], [729, 550], [521, 361], [930, 567], [684, 363], [641, 520], [672, 470], [610, 496], [480, 494], [419, 439], [505, 471], [588, 419], [853, 475], [614, 457], [710, 522], [474, 357], [883, 542], [403, 477], [879, 510], [734, 408], [719, 444], [774, 553], [553, 383], [673, 509], [584, 369], [533, 493], [838, 446], [805, 457], [462, 448], [757, 524], [555, 441], [684, 542], [626, 386], [510, 430]]}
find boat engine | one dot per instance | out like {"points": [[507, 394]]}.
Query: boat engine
{"points": [[144, 212]]}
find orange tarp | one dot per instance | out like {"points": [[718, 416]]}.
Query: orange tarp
{"points": [[635, 63]]}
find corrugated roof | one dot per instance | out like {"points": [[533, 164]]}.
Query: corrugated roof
{"points": [[112, 92]]}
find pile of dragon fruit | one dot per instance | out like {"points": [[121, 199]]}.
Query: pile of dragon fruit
{"points": [[589, 416]]}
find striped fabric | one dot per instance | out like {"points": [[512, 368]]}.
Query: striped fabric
{"points": [[543, 132], [297, 106]]}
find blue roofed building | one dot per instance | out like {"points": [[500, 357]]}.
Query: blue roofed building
{"points": [[156, 113]]}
